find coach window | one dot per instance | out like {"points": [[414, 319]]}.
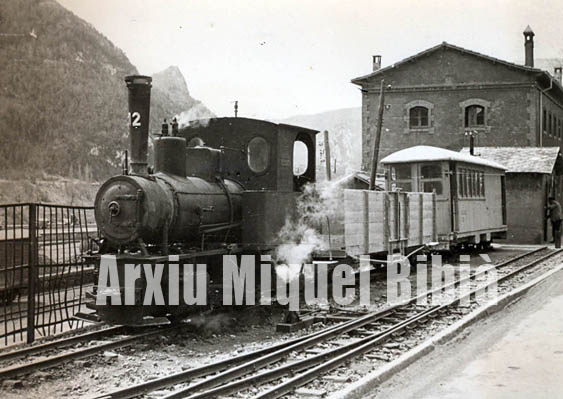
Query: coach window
{"points": [[474, 116], [258, 155], [401, 176], [463, 188], [431, 178], [471, 183]]}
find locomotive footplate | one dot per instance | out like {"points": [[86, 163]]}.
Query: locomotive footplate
{"points": [[231, 250]]}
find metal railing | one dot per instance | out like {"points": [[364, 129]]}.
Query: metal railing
{"points": [[43, 277]]}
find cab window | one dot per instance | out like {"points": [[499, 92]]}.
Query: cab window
{"points": [[300, 158], [258, 155]]}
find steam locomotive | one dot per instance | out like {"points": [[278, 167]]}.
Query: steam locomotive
{"points": [[219, 186]]}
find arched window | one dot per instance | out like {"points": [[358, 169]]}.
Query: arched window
{"points": [[300, 158], [418, 117], [258, 155], [474, 116]]}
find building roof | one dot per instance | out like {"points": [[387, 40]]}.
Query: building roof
{"points": [[444, 45], [364, 178], [528, 30], [520, 159], [424, 153]]}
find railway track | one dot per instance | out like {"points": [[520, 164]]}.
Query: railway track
{"points": [[281, 369], [37, 357]]}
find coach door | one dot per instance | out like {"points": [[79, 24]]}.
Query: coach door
{"points": [[433, 177]]}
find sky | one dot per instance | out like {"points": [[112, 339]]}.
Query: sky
{"points": [[290, 57]]}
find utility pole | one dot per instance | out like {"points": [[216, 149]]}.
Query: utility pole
{"points": [[377, 136], [327, 155], [471, 134]]}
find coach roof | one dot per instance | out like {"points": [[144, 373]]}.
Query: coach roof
{"points": [[425, 153]]}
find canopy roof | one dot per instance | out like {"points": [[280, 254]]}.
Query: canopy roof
{"points": [[520, 159]]}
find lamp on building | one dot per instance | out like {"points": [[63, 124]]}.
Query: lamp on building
{"points": [[472, 134]]}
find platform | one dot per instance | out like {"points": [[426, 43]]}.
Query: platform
{"points": [[517, 353]]}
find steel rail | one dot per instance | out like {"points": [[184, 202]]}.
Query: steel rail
{"points": [[181, 377], [275, 356], [528, 265], [26, 351], [310, 375], [278, 355], [40, 364], [263, 355], [290, 369], [207, 370]]}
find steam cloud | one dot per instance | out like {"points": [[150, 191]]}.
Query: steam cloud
{"points": [[300, 236], [197, 114]]}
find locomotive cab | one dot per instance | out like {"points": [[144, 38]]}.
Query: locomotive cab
{"points": [[273, 162]]}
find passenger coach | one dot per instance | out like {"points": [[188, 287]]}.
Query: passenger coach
{"points": [[470, 192]]}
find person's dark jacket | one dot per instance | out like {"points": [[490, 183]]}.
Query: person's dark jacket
{"points": [[554, 209]]}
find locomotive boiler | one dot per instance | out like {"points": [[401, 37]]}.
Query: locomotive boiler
{"points": [[142, 209]]}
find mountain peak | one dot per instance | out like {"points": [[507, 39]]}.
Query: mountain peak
{"points": [[66, 70], [172, 81]]}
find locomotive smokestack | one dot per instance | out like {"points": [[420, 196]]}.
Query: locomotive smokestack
{"points": [[139, 110]]}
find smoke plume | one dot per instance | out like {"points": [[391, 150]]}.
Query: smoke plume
{"points": [[300, 235]]}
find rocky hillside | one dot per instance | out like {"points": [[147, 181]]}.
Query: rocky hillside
{"points": [[63, 102], [171, 97], [345, 135]]}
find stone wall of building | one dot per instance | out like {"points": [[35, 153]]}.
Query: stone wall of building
{"points": [[509, 119], [525, 204], [446, 82]]}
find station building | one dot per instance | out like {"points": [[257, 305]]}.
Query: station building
{"points": [[440, 95], [533, 174]]}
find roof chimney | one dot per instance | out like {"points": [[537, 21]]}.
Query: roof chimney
{"points": [[376, 62], [558, 74], [529, 46]]}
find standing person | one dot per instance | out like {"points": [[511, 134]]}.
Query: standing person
{"points": [[554, 214]]}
